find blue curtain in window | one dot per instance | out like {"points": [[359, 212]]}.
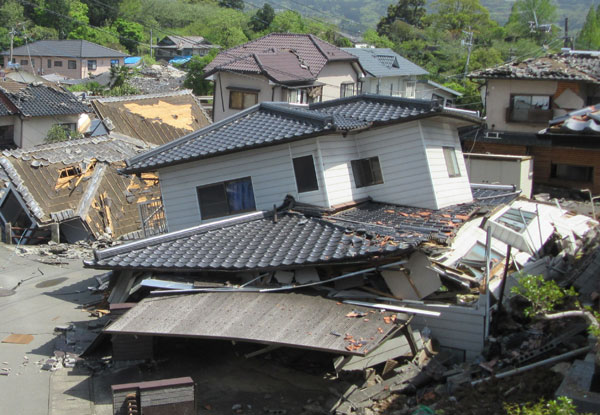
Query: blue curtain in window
{"points": [[240, 195]]}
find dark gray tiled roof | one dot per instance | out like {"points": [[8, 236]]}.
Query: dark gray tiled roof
{"points": [[559, 67], [382, 62], [486, 195], [4, 110], [68, 48], [251, 242], [404, 223], [269, 124], [39, 100]]}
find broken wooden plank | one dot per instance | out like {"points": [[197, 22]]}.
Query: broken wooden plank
{"points": [[262, 351], [389, 349]]}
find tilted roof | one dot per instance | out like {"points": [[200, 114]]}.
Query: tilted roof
{"points": [[296, 57], [585, 121], [184, 42], [269, 124], [382, 62], [39, 100], [154, 118], [67, 48], [558, 67]]}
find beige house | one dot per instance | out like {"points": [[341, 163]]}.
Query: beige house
{"points": [[288, 67], [75, 59]]}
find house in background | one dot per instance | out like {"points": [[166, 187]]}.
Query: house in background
{"points": [[387, 73], [170, 47], [524, 98], [288, 67], [75, 59], [28, 111], [76, 186], [153, 118]]}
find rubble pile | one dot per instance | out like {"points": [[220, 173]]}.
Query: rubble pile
{"points": [[54, 253], [157, 78]]}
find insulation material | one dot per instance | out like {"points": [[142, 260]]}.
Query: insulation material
{"points": [[306, 275], [415, 281]]}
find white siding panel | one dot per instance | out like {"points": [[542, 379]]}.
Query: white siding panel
{"points": [[448, 190], [270, 168]]}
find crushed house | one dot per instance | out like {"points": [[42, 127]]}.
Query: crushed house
{"points": [[171, 46], [288, 67], [303, 223], [523, 99], [76, 186], [153, 118], [28, 111]]}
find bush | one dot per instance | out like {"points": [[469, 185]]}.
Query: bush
{"points": [[560, 406], [543, 295], [58, 133]]}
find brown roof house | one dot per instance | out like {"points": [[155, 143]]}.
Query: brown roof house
{"points": [[72, 58], [76, 186], [521, 98], [29, 110], [295, 68], [153, 118]]}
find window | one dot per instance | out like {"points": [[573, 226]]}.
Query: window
{"points": [[530, 108], [346, 90], [226, 198], [298, 96], [6, 135], [49, 63], [306, 176], [114, 62], [367, 172], [92, 65], [516, 219], [72, 64], [57, 64], [451, 162], [438, 98], [240, 100], [411, 89], [24, 62], [571, 172]]}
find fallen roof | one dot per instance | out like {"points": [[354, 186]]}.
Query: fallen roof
{"points": [[290, 319], [68, 48], [268, 124], [311, 55], [256, 241], [557, 67], [382, 62], [184, 42], [585, 121], [440, 87], [39, 100], [153, 118]]}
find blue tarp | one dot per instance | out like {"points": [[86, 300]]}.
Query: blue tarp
{"points": [[132, 60], [180, 60]]}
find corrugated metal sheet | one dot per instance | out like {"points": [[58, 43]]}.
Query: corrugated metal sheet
{"points": [[295, 320]]}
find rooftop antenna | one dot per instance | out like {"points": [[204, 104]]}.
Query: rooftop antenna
{"points": [[534, 26]]}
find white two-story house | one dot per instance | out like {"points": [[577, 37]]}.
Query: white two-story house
{"points": [[393, 150], [288, 67]]}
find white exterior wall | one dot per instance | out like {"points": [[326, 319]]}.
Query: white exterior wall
{"points": [[391, 85], [35, 129], [270, 168], [501, 169], [447, 190], [232, 80], [333, 75]]}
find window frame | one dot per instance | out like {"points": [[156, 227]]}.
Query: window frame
{"points": [[244, 92], [511, 111], [229, 211], [344, 89], [314, 180], [71, 64], [370, 165], [452, 166], [23, 62], [49, 63], [114, 62], [92, 64], [58, 64], [556, 175]]}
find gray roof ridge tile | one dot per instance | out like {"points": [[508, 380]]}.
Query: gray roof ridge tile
{"points": [[143, 96], [167, 237], [372, 97], [276, 107], [190, 136]]}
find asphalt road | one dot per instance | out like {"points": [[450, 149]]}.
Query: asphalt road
{"points": [[45, 296]]}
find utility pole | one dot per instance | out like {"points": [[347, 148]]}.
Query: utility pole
{"points": [[12, 34], [469, 44]]}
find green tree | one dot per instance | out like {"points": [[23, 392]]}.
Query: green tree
{"points": [[263, 18], [119, 76], [58, 133], [80, 28], [408, 11], [589, 36], [11, 13], [455, 16], [194, 78], [232, 4], [525, 14], [131, 34], [104, 13], [380, 41]]}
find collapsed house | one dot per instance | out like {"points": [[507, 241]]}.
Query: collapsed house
{"points": [[380, 232], [76, 187], [154, 118]]}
